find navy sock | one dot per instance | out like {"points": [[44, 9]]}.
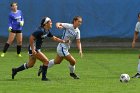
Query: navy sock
{"points": [[18, 49], [6, 47], [22, 67], [44, 71]]}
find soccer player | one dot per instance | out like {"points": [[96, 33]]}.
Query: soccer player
{"points": [[36, 40], [137, 30], [71, 32], [16, 22]]}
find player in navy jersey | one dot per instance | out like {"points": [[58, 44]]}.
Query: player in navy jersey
{"points": [[36, 40], [71, 32], [16, 22]]}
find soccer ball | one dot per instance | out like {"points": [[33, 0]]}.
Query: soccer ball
{"points": [[124, 78]]}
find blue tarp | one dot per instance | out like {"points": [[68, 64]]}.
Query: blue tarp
{"points": [[109, 18]]}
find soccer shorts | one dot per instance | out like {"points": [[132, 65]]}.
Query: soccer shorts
{"points": [[16, 31], [30, 51], [61, 51]]}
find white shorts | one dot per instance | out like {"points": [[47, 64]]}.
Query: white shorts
{"points": [[61, 51]]}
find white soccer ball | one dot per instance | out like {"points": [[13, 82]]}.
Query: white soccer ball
{"points": [[124, 78]]}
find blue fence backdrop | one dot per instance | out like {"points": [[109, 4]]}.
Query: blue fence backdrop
{"points": [[111, 18]]}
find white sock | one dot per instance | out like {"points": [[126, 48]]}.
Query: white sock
{"points": [[139, 67], [51, 63], [72, 68]]}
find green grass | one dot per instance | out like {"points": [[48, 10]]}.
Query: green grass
{"points": [[99, 72]]}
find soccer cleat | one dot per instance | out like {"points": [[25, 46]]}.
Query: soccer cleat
{"points": [[3, 54], [136, 76], [40, 70], [14, 72], [74, 76], [45, 79], [19, 55]]}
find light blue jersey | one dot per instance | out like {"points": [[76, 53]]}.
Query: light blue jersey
{"points": [[137, 28], [69, 34]]}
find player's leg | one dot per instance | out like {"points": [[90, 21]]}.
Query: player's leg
{"points": [[45, 62], [8, 43], [19, 43], [57, 60], [32, 60], [137, 75], [52, 62], [72, 62]]}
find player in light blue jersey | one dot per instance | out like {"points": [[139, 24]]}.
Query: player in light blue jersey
{"points": [[136, 33], [16, 22], [71, 32]]}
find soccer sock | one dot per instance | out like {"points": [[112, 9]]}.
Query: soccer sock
{"points": [[139, 67], [6, 47], [22, 67], [44, 71], [51, 63], [18, 49], [72, 68]]}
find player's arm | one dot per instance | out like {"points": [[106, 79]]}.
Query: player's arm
{"points": [[63, 25], [78, 42], [10, 24], [59, 25], [135, 38], [58, 39], [31, 41], [22, 20]]}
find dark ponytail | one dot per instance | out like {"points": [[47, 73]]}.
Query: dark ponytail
{"points": [[76, 18], [13, 3], [138, 14]]}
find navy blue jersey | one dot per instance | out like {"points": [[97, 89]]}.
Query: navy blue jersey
{"points": [[39, 35]]}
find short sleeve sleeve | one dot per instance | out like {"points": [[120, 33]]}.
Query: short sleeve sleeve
{"points": [[66, 25], [37, 34], [50, 34], [136, 28]]}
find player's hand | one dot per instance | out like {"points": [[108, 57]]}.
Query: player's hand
{"points": [[60, 27], [34, 52], [81, 53], [133, 44], [67, 41], [21, 23], [10, 29]]}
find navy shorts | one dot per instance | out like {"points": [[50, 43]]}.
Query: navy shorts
{"points": [[30, 51], [16, 31]]}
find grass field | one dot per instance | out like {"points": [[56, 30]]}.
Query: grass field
{"points": [[99, 72]]}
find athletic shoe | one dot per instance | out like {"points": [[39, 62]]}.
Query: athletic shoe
{"points": [[74, 76], [40, 70], [14, 72], [19, 55], [2, 54], [136, 76]]}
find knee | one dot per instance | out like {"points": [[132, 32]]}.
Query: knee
{"points": [[45, 63], [57, 62], [19, 42], [9, 42], [30, 66], [73, 63]]}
